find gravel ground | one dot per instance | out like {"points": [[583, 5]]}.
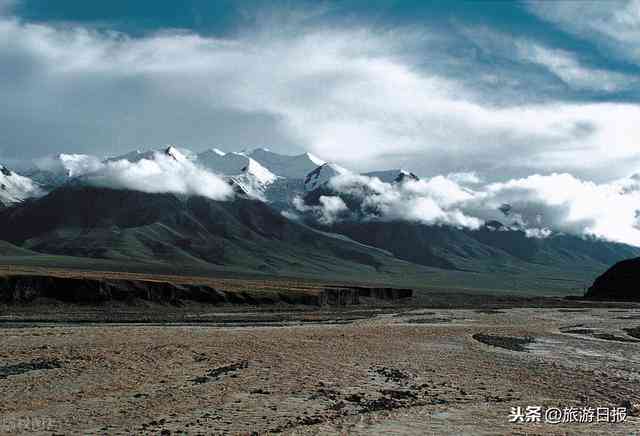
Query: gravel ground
{"points": [[390, 373]]}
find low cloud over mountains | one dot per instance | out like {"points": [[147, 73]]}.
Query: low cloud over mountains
{"points": [[538, 204]]}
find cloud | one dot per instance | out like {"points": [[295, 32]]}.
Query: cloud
{"points": [[614, 24], [368, 198], [564, 203], [566, 66], [465, 178], [539, 204], [69, 165], [329, 210], [6, 6], [159, 173], [352, 96]]}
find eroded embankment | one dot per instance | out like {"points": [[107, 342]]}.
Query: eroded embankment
{"points": [[24, 289]]}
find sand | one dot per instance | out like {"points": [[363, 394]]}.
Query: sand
{"points": [[397, 372]]}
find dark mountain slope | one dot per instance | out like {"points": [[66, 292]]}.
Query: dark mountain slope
{"points": [[84, 227], [116, 224], [492, 248], [431, 246], [557, 249], [487, 249]]}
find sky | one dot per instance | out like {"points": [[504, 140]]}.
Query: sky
{"points": [[504, 90]]}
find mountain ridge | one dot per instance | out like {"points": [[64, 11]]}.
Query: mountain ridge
{"points": [[118, 224]]}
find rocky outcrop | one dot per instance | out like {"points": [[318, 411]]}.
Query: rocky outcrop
{"points": [[387, 294], [24, 289], [354, 294], [620, 283]]}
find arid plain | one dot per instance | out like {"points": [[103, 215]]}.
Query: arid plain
{"points": [[353, 371]]}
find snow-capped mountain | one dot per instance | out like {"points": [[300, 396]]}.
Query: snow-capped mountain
{"points": [[138, 155], [293, 167], [53, 171], [234, 164], [321, 175], [15, 188], [132, 156], [245, 174], [260, 173], [393, 176]]}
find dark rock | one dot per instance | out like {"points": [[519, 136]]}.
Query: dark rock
{"points": [[435, 320], [619, 283], [399, 395], [354, 398], [34, 365], [391, 374], [216, 373], [20, 289], [506, 342], [200, 380], [383, 403], [635, 332], [633, 409]]}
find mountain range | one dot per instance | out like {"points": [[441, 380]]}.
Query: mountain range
{"points": [[51, 215]]}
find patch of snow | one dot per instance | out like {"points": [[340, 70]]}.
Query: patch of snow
{"points": [[392, 176], [293, 167], [245, 174], [322, 174], [15, 188]]}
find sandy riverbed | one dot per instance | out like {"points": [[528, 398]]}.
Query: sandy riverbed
{"points": [[413, 372]]}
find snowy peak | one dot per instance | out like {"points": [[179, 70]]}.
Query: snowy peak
{"points": [[216, 151], [234, 164], [175, 154], [316, 160], [293, 167], [393, 176], [321, 175], [137, 155], [133, 156], [506, 209], [259, 172], [53, 171], [245, 175], [405, 176], [15, 188]]}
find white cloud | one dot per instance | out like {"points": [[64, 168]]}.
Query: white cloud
{"points": [[614, 24], [331, 207], [571, 71], [346, 95], [465, 178], [69, 165], [564, 203], [434, 201], [158, 173], [538, 204], [328, 211]]}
